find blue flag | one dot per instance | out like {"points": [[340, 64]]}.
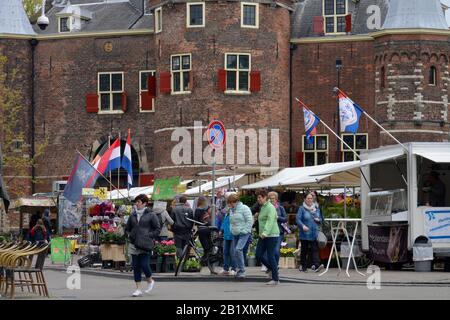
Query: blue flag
{"points": [[79, 179], [311, 122], [349, 113]]}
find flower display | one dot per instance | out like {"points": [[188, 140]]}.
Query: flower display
{"points": [[165, 248], [287, 252]]}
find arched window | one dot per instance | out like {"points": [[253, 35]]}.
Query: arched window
{"points": [[383, 78], [432, 78]]}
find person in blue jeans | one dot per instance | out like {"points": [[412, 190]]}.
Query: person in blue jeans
{"points": [[281, 218], [241, 222], [228, 252]]}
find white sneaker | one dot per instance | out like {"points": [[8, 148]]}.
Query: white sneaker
{"points": [[137, 293], [232, 273], [263, 268], [272, 283], [224, 272], [150, 286]]}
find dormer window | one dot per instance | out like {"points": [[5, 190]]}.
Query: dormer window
{"points": [[334, 12], [64, 24]]}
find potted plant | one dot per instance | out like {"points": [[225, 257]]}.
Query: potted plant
{"points": [[287, 258], [192, 265]]}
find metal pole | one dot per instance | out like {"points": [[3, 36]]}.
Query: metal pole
{"points": [[345, 201], [213, 207], [338, 126]]}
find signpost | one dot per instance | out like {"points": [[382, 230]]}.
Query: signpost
{"points": [[216, 139]]}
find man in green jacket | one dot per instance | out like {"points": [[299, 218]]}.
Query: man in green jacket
{"points": [[268, 235]]}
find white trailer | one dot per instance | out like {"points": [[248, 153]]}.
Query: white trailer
{"points": [[393, 191]]}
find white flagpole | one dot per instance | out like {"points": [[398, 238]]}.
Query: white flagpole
{"points": [[374, 121], [345, 143]]}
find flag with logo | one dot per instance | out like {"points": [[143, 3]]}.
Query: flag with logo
{"points": [[311, 122], [127, 164], [79, 178], [349, 114]]}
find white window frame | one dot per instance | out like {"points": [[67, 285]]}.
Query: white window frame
{"points": [[172, 78], [188, 14], [69, 24], [432, 67], [158, 20], [237, 70], [256, 5], [316, 151], [343, 150], [152, 72], [99, 93], [335, 16]]}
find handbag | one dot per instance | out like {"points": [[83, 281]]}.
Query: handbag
{"points": [[321, 240]]}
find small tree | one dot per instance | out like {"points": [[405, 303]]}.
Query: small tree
{"points": [[32, 7], [17, 161]]}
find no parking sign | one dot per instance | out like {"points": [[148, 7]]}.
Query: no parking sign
{"points": [[216, 134]]}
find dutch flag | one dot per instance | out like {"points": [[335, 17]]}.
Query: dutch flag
{"points": [[126, 161], [114, 158]]}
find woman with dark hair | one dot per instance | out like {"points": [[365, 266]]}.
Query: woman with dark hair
{"points": [[142, 227]]}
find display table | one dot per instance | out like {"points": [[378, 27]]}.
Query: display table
{"points": [[113, 252], [336, 225]]}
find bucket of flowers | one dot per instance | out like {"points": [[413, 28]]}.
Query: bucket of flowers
{"points": [[166, 254], [287, 258]]}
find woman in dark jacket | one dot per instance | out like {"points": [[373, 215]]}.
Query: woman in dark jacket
{"points": [[142, 227]]}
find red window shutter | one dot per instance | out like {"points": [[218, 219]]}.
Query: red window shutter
{"points": [[151, 84], [124, 101], [92, 103], [164, 82], [191, 81], [222, 80], [146, 179], [318, 27], [299, 159], [348, 23], [255, 81], [146, 101]]}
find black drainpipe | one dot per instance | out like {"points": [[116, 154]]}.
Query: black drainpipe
{"points": [[33, 43], [293, 46]]}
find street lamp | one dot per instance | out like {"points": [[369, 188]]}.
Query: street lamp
{"points": [[43, 21], [339, 66]]}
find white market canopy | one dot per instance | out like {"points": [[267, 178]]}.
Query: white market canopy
{"points": [[134, 192], [220, 183], [307, 177]]}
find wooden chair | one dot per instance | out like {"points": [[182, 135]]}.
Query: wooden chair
{"points": [[21, 264]]}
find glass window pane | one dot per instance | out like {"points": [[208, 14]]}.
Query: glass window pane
{"points": [[244, 61], [329, 25], [144, 82], [104, 101], [349, 156], [104, 82], [361, 142], [243, 81], [308, 146], [321, 143], [117, 82], [309, 159], [249, 15], [341, 24], [176, 82], [185, 81], [231, 80], [329, 7], [117, 101], [64, 24], [231, 61], [176, 63], [340, 6], [186, 62], [349, 139], [321, 158], [196, 14], [159, 25]]}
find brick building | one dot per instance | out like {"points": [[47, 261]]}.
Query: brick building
{"points": [[151, 66]]}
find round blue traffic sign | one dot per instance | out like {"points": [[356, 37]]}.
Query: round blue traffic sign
{"points": [[216, 134]]}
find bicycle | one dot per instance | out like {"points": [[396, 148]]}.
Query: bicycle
{"points": [[213, 258]]}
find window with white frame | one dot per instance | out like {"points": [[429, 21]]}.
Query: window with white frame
{"points": [[249, 15], [64, 24], [110, 91], [357, 142], [143, 85], [316, 152], [180, 68], [334, 12], [158, 20], [237, 67], [195, 16]]}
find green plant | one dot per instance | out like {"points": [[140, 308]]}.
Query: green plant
{"points": [[192, 264], [287, 252], [338, 210], [248, 200]]}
